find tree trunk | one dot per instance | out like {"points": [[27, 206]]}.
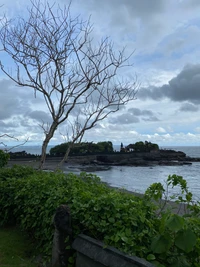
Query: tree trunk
{"points": [[48, 137], [65, 157]]}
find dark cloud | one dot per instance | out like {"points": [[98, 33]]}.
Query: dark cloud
{"points": [[138, 112], [184, 87], [188, 107], [118, 18], [151, 92], [142, 8], [191, 4], [131, 116], [126, 118], [17, 108], [15, 99], [5, 126], [40, 116], [151, 118]]}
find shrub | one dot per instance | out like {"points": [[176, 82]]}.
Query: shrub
{"points": [[33, 199], [177, 239], [4, 157], [132, 224], [16, 172]]}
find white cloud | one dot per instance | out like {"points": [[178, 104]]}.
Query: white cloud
{"points": [[160, 130]]}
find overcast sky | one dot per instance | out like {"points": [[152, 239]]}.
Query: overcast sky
{"points": [[165, 35]]}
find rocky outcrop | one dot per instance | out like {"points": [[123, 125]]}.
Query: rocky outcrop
{"points": [[159, 157]]}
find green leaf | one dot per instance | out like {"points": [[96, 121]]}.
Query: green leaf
{"points": [[125, 239], [175, 222], [179, 264], [186, 240], [160, 244], [128, 232], [189, 196], [71, 260], [151, 257], [158, 264], [111, 220]]}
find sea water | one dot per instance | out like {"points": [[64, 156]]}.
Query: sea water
{"points": [[137, 179]]}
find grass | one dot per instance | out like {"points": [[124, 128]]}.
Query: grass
{"points": [[15, 249]]}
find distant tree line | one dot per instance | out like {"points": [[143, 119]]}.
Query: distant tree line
{"points": [[21, 154], [140, 147], [82, 148]]}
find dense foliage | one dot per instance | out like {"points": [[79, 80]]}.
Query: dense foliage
{"points": [[82, 148], [143, 146], [4, 157], [135, 225]]}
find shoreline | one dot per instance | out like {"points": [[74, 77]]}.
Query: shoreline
{"points": [[161, 157], [102, 161], [51, 165], [176, 208]]}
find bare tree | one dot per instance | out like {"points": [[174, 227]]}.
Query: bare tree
{"points": [[55, 55], [11, 137]]}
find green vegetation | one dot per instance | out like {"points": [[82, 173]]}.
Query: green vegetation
{"points": [[177, 239], [134, 225], [4, 157], [143, 146], [82, 148], [15, 248]]}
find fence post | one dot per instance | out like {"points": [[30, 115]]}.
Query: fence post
{"points": [[62, 237]]}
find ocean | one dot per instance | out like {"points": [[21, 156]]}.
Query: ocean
{"points": [[138, 179]]}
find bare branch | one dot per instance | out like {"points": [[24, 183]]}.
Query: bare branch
{"points": [[7, 135], [17, 145], [12, 137], [56, 57]]}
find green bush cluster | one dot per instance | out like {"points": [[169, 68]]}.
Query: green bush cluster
{"points": [[143, 146], [132, 224], [177, 239], [82, 148], [4, 157]]}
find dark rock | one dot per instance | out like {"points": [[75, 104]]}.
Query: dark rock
{"points": [[134, 158]]}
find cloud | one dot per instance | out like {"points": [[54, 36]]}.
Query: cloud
{"points": [[184, 87], [191, 4], [160, 130], [135, 8], [197, 129], [40, 116], [126, 118], [14, 100], [5, 126], [132, 116], [151, 118], [189, 107], [163, 45], [138, 112], [18, 110]]}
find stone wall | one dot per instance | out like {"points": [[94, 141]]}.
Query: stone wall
{"points": [[91, 252]]}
